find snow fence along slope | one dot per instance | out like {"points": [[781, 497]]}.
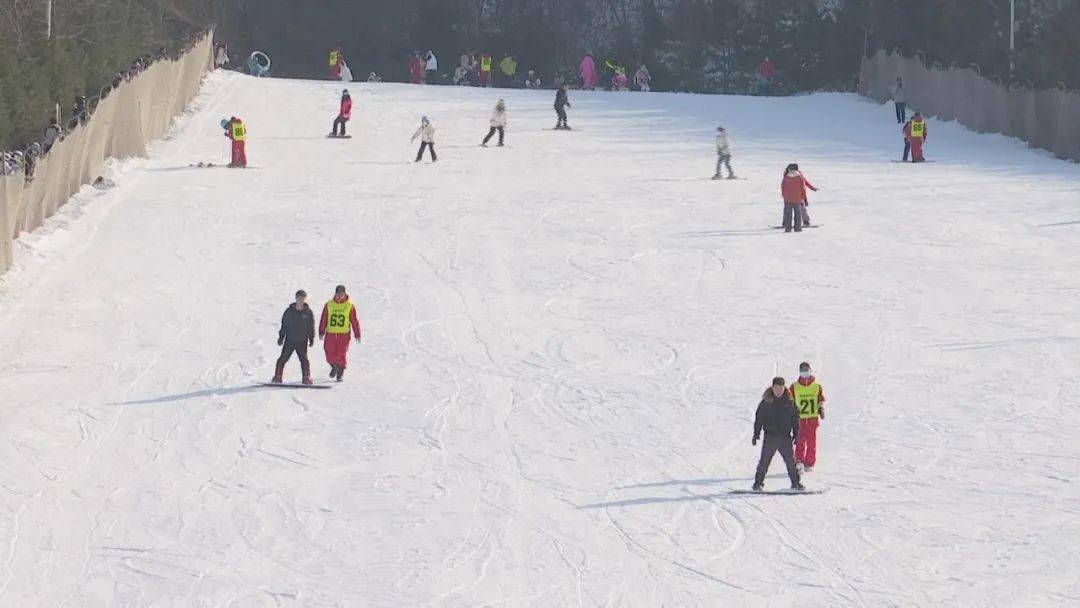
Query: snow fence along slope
{"points": [[133, 115], [565, 342]]}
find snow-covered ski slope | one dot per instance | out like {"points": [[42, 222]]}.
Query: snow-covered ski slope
{"points": [[565, 343]]}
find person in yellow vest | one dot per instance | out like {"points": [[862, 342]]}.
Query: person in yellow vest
{"points": [[810, 402], [916, 132], [335, 63], [508, 66], [337, 322], [236, 131], [485, 70]]}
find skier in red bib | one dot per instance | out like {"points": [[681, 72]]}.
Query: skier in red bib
{"points": [[338, 319]]}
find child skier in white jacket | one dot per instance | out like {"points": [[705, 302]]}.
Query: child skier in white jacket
{"points": [[498, 123], [723, 153], [426, 133]]}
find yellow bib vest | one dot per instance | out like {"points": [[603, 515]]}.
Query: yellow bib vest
{"points": [[918, 128], [806, 399], [485, 64], [337, 317], [239, 133], [333, 57]]}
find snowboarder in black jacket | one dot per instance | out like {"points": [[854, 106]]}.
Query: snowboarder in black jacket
{"points": [[562, 101], [778, 417], [297, 333]]}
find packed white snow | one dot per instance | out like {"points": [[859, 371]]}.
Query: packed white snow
{"points": [[565, 342]]}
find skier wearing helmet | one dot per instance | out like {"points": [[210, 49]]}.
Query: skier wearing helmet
{"points": [[498, 123], [344, 114], [426, 133], [723, 153]]}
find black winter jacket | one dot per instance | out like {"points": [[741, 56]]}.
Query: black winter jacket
{"points": [[297, 325], [561, 99], [778, 416]]}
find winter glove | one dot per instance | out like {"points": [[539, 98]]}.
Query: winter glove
{"points": [[821, 412], [754, 440], [311, 342], [280, 341]]}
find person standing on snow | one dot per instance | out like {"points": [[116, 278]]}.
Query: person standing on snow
{"points": [[899, 97], [416, 68], [723, 153], [793, 189], [916, 132], [562, 101], [907, 142], [236, 131], [221, 56], [432, 65], [338, 318], [776, 415], [498, 123], [297, 333], [810, 401], [508, 66], [335, 63], [344, 114], [485, 70], [53, 133], [589, 76], [643, 79], [426, 133]]}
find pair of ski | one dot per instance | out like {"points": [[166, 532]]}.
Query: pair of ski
{"points": [[780, 492]]}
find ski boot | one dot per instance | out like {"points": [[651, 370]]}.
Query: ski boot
{"points": [[758, 487], [276, 379], [797, 487], [333, 370], [717, 176], [307, 381], [340, 373], [732, 176], [808, 470]]}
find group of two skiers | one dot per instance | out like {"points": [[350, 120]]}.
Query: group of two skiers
{"points": [[915, 130], [297, 333], [789, 417]]}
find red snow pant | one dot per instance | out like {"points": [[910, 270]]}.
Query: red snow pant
{"points": [[239, 156], [337, 349], [916, 150], [806, 448]]}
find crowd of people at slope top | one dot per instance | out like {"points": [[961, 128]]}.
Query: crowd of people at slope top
{"points": [[24, 161]]}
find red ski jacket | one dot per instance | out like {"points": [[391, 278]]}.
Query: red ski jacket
{"points": [[794, 189], [346, 108]]}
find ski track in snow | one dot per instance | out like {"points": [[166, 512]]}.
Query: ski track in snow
{"points": [[565, 341]]}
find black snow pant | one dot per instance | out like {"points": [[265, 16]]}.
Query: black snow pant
{"points": [[798, 212], [430, 146], [907, 148], [560, 111], [901, 112], [725, 160], [287, 350], [339, 122], [491, 133], [769, 448]]}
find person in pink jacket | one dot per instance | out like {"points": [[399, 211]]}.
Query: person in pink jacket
{"points": [[589, 76]]}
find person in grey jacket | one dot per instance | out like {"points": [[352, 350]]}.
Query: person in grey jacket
{"points": [[899, 97], [778, 417], [723, 153], [426, 133]]}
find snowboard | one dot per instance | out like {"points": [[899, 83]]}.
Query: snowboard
{"points": [[781, 492], [293, 385], [804, 227], [216, 166], [905, 162], [339, 137]]}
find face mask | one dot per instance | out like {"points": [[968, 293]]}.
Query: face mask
{"points": [[804, 374]]}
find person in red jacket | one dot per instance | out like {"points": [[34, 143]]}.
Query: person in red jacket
{"points": [[916, 132], [793, 189], [417, 67], [236, 131], [338, 318], [810, 401], [344, 114]]}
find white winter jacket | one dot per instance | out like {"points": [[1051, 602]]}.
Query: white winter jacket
{"points": [[432, 63], [722, 143], [426, 132], [498, 119], [898, 94]]}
